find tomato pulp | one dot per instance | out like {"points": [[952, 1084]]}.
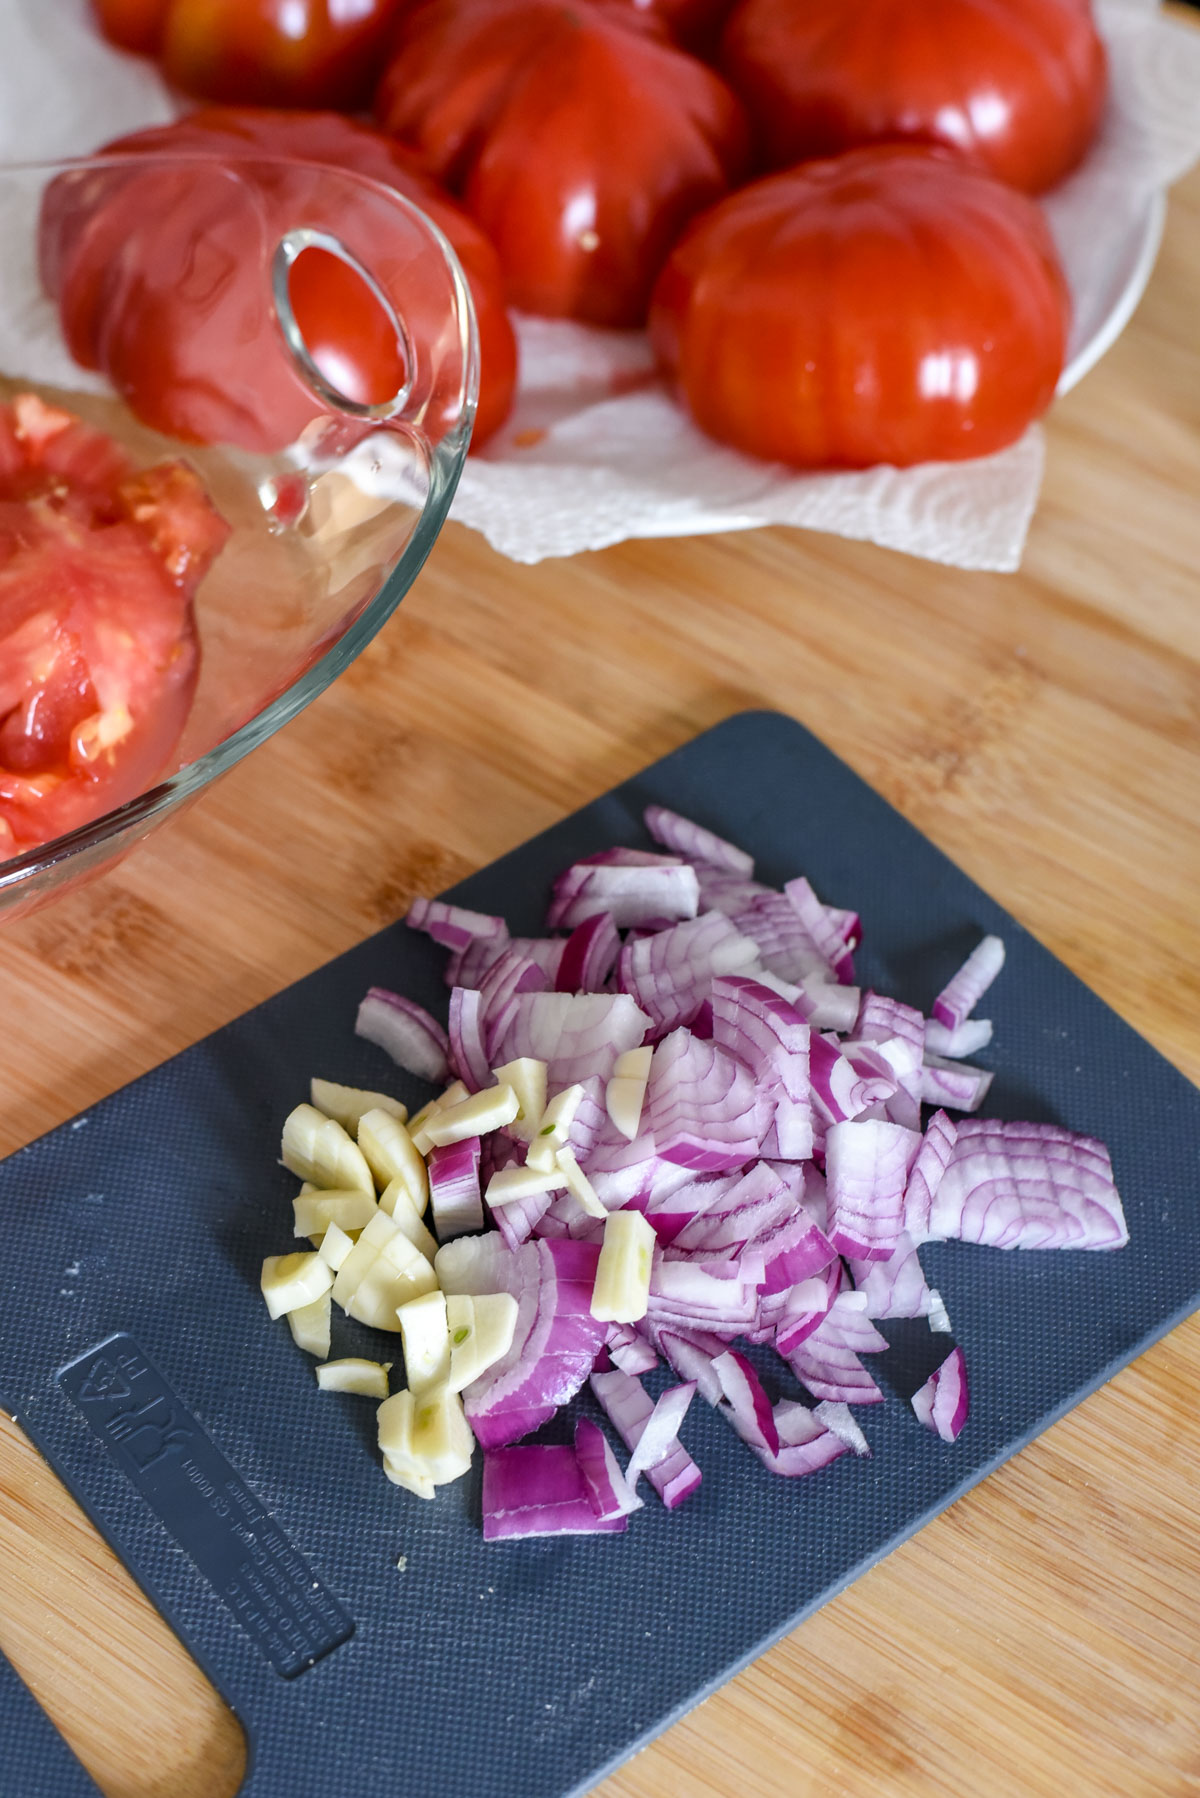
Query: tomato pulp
{"points": [[98, 653]]}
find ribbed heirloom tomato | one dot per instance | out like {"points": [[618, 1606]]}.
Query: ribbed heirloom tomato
{"points": [[581, 141], [889, 305], [160, 278], [260, 52], [1016, 85], [98, 657]]}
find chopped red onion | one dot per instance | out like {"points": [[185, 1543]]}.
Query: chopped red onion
{"points": [[701, 1106], [927, 1170], [589, 955], [670, 973], [577, 1035], [750, 1405], [835, 935], [539, 1489], [827, 1361], [694, 843], [944, 1400], [511, 973], [721, 889], [454, 1195], [866, 1172], [806, 1305], [608, 1489], [628, 1406], [896, 1287], [770, 1038], [1027, 1186], [548, 1365], [453, 926], [412, 1037], [842, 1087], [972, 1035], [785, 945], [841, 1420], [953, 1083], [661, 887], [958, 1000], [468, 1049]]}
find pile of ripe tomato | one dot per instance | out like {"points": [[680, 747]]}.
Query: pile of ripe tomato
{"points": [[822, 209]]}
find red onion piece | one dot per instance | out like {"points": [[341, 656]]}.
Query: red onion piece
{"points": [[943, 1401], [454, 1195], [1027, 1186], [414, 1040], [958, 1000], [453, 926], [841, 1420], [806, 1306], [866, 1172], [968, 1038], [750, 1405], [510, 974], [630, 1351], [629, 1408], [770, 1038], [660, 888], [953, 1083], [577, 1035], [670, 973], [539, 1490], [468, 1048], [549, 1364], [701, 1107], [785, 945], [694, 843], [896, 1287], [927, 1170], [608, 1489], [589, 955], [827, 1361], [835, 933]]}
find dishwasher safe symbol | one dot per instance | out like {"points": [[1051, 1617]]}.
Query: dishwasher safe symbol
{"points": [[149, 1432]]}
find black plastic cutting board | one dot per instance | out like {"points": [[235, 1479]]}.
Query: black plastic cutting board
{"points": [[136, 1351]]}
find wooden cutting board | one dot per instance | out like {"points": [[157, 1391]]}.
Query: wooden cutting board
{"points": [[1043, 729]]}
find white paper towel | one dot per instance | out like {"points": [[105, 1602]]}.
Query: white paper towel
{"points": [[596, 451]]}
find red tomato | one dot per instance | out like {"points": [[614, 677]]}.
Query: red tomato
{"points": [[694, 25], [160, 279], [889, 305], [98, 656], [132, 24], [580, 140], [262, 52], [1017, 85]]}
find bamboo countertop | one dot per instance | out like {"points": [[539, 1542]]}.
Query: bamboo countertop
{"points": [[1044, 729]]}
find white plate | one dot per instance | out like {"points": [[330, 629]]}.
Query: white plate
{"points": [[1121, 263]]}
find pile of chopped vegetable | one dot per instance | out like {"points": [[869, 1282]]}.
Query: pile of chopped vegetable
{"points": [[671, 1126]]}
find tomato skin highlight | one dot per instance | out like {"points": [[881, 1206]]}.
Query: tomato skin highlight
{"points": [[161, 280], [891, 305], [580, 140], [1018, 86], [98, 652], [259, 52]]}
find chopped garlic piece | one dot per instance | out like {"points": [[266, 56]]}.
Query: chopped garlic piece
{"points": [[315, 1212], [412, 1482], [454, 1094], [393, 1422], [396, 1201], [481, 1332], [318, 1149], [578, 1184], [310, 1327], [625, 1093], [391, 1156], [527, 1077], [621, 1293], [355, 1267], [426, 1341], [484, 1111], [369, 1379], [522, 1183], [442, 1442], [335, 1247], [384, 1288], [292, 1281], [346, 1104]]}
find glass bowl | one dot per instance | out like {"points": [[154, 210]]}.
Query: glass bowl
{"points": [[328, 528]]}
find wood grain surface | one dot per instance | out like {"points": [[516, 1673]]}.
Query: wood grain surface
{"points": [[1040, 1638]]}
